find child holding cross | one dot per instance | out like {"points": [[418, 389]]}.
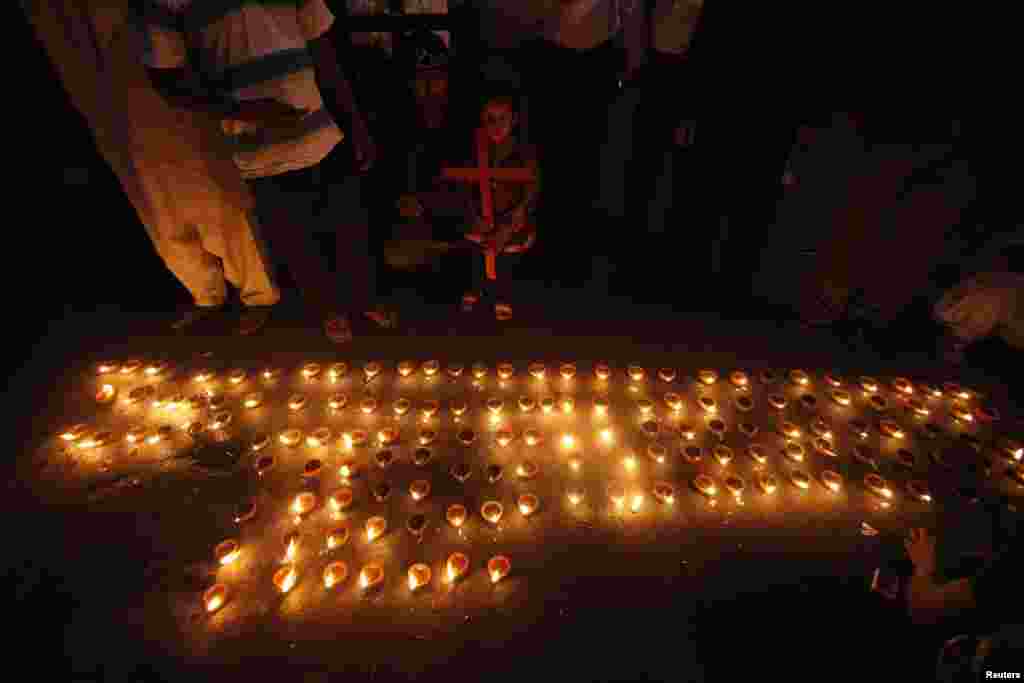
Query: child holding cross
{"points": [[500, 203]]}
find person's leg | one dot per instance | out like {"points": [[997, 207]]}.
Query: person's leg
{"points": [[237, 242]]}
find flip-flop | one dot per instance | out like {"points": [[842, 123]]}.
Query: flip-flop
{"points": [[338, 329]]}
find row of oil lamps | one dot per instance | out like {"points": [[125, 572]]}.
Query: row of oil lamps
{"points": [[538, 370]]}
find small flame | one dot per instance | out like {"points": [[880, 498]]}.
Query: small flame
{"points": [[568, 441], [607, 435], [285, 579], [638, 501], [630, 463]]}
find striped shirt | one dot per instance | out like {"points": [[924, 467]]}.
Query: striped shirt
{"points": [[252, 50]]}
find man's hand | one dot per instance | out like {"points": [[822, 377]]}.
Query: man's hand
{"points": [[921, 549]]}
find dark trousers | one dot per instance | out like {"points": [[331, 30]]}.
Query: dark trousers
{"points": [[290, 208]]}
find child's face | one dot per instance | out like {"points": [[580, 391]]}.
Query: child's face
{"points": [[498, 120]]}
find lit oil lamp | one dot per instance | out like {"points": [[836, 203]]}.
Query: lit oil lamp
{"points": [[674, 401], [338, 402], [617, 494], [371, 370], [196, 401], [906, 458], [878, 403], [337, 371], [264, 464], [421, 457], [667, 374], [693, 454], [833, 381], [220, 421], [629, 462], [767, 483], [723, 454], [215, 597], [466, 437], [107, 367], [135, 435], [930, 391], [431, 368], [429, 408], [800, 479], [961, 413], [419, 576], [498, 568], [602, 371], [375, 528], [495, 405], [237, 376], [658, 453], [368, 405], [253, 400], [789, 430], [607, 436], [371, 576], [575, 496], [456, 515], [97, 440], [664, 493], [357, 438], [216, 402], [568, 404], [821, 427], [203, 376], [1013, 449], [744, 403], [705, 485], [739, 379], [458, 408], [717, 427], [227, 552], [312, 468], [651, 429], [863, 455], [891, 429], [956, 391], [416, 525], [708, 404], [547, 405], [832, 480], [799, 378], [494, 473], [645, 406], [419, 489], [749, 429], [337, 537], [164, 432], [401, 406], [285, 578], [506, 371], [868, 384], [335, 574], [304, 503], [877, 485], [794, 451], [735, 485], [461, 472], [601, 406], [311, 371], [777, 401], [526, 404], [406, 368], [454, 370], [824, 447], [504, 437], [527, 470], [528, 504], [291, 546], [297, 402], [809, 401], [860, 429], [492, 511], [457, 566], [106, 394], [270, 374], [636, 502], [384, 459], [427, 437], [75, 432], [341, 499], [687, 432], [537, 370], [903, 385], [291, 437], [841, 397], [130, 367], [636, 373], [479, 370], [387, 436], [707, 377]]}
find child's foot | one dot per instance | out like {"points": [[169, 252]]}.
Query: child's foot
{"points": [[337, 329], [503, 312]]}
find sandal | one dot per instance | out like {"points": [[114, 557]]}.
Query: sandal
{"points": [[337, 329]]}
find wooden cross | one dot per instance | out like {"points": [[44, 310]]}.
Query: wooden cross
{"points": [[483, 175]]}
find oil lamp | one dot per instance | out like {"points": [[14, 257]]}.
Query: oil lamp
{"points": [[868, 384], [749, 429], [667, 374], [705, 485], [637, 502], [337, 537], [253, 400], [537, 370], [832, 480], [456, 515], [312, 468], [419, 489], [841, 397], [135, 435], [687, 432], [568, 404], [878, 402], [371, 576], [227, 552], [237, 376], [833, 381], [707, 377], [291, 546], [547, 405], [419, 575], [504, 437], [427, 437], [799, 378], [744, 403], [919, 491], [106, 394], [384, 459], [739, 379], [723, 454], [368, 405], [285, 578], [406, 368], [617, 494], [693, 454], [139, 394], [629, 462], [130, 367], [532, 437], [304, 503], [664, 493], [215, 597], [297, 402], [717, 427], [342, 499], [891, 429], [734, 485], [107, 367], [75, 432], [930, 391], [767, 483], [809, 401], [416, 525], [1013, 449], [575, 496], [645, 406], [311, 371], [527, 469], [903, 386], [492, 511], [387, 436], [495, 405], [429, 408], [421, 457], [375, 528], [607, 436], [454, 370], [528, 504], [335, 574], [203, 376], [466, 437], [777, 401], [674, 401], [800, 479], [458, 565], [431, 368], [265, 464], [458, 408], [498, 568], [270, 374], [961, 413], [479, 370], [494, 473], [658, 453], [602, 371], [461, 472], [291, 437], [527, 404], [506, 371], [789, 430], [402, 406], [708, 404], [794, 451], [371, 370], [877, 485], [636, 373], [337, 371]]}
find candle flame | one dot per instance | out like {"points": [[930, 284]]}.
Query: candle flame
{"points": [[285, 579], [638, 501], [607, 435]]}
